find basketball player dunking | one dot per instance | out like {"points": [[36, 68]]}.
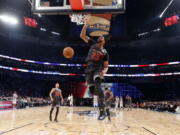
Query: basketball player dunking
{"points": [[56, 98], [97, 66]]}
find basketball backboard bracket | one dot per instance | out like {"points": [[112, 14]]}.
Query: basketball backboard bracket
{"points": [[54, 7]]}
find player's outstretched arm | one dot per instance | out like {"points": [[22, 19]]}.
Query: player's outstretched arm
{"points": [[83, 34]]}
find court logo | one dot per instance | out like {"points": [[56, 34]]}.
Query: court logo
{"points": [[91, 113]]}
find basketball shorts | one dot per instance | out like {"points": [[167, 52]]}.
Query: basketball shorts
{"points": [[56, 102]]}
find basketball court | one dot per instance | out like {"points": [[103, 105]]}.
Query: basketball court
{"points": [[80, 121]]}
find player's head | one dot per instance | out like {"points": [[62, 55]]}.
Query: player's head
{"points": [[57, 85], [101, 40]]}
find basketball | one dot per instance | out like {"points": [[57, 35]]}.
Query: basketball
{"points": [[68, 52]]}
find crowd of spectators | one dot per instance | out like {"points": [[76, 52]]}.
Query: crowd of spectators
{"points": [[163, 106], [24, 101], [32, 102]]}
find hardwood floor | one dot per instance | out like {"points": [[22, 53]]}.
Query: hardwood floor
{"points": [[83, 121]]}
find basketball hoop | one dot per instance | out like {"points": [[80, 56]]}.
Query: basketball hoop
{"points": [[79, 19]]}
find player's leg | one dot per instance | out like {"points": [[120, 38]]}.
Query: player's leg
{"points": [[98, 80], [90, 83], [94, 82], [51, 111], [53, 105], [58, 103], [116, 105], [108, 106], [14, 103], [72, 102], [57, 112], [130, 106], [97, 105], [108, 113], [120, 105], [94, 105]]}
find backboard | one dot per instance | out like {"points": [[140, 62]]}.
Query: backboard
{"points": [[51, 7], [99, 24]]}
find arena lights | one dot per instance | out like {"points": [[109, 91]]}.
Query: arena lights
{"points": [[43, 29], [171, 20], [39, 15], [30, 22], [73, 74], [8, 19], [143, 34], [55, 33], [161, 15], [156, 30], [146, 33], [38, 72], [83, 65]]}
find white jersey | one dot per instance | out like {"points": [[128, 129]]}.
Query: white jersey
{"points": [[69, 98], [178, 109], [15, 96]]}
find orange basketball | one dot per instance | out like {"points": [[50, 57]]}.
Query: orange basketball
{"points": [[68, 52]]}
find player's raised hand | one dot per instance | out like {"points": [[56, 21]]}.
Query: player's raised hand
{"points": [[87, 18]]}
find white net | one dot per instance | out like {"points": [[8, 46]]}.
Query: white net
{"points": [[79, 19]]}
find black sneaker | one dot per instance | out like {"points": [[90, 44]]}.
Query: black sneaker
{"points": [[102, 114], [102, 117]]}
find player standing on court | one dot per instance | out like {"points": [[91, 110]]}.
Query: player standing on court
{"points": [[108, 101], [14, 100], [56, 98], [97, 66]]}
